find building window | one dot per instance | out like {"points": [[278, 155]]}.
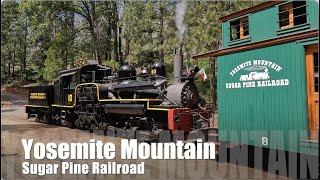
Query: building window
{"points": [[292, 14], [239, 29]]}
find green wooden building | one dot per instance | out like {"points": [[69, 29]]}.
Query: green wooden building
{"points": [[268, 75]]}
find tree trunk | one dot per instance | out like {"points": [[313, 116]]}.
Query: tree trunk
{"points": [[66, 58], [119, 47], [161, 34], [70, 24], [115, 33], [213, 86], [92, 23], [115, 46], [9, 64], [109, 41], [13, 63], [127, 47], [9, 70], [21, 62], [24, 58]]}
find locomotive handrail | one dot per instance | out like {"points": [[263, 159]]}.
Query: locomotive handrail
{"points": [[158, 109], [98, 97], [64, 106], [130, 100], [142, 75], [30, 105]]}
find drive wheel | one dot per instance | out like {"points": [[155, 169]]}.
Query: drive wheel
{"points": [[38, 116]]}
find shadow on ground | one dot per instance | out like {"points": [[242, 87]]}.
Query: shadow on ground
{"points": [[20, 128]]}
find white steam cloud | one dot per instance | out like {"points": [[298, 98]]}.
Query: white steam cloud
{"points": [[180, 12]]}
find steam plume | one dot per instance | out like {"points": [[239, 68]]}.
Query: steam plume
{"points": [[180, 12]]}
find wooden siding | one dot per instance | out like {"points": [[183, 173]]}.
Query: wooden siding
{"points": [[271, 42], [267, 111], [263, 23]]}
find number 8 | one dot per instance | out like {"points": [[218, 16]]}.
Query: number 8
{"points": [[264, 141]]}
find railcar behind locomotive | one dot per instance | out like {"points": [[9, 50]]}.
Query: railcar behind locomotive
{"points": [[92, 97]]}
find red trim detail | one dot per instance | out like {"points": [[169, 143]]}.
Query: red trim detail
{"points": [[180, 119]]}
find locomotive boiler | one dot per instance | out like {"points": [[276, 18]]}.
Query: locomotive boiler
{"points": [[93, 97]]}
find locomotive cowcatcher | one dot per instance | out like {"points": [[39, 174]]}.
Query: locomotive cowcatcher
{"points": [[93, 97]]}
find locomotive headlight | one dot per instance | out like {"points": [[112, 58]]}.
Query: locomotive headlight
{"points": [[176, 118]]}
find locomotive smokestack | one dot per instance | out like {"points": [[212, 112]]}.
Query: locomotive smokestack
{"points": [[177, 65]]}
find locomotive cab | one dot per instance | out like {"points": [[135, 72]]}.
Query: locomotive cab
{"points": [[69, 79]]}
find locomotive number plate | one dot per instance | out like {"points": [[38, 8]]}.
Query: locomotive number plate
{"points": [[69, 97]]}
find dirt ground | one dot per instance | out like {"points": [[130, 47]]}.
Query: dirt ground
{"points": [[15, 126]]}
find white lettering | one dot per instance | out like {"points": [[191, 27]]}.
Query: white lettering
{"points": [[27, 145]]}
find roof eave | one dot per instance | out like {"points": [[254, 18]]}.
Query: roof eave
{"points": [[255, 45], [256, 8]]}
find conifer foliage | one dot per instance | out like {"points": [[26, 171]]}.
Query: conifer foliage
{"points": [[40, 38]]}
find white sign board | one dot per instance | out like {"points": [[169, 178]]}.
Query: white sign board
{"points": [[256, 74]]}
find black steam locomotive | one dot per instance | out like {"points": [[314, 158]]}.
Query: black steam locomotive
{"points": [[92, 97]]}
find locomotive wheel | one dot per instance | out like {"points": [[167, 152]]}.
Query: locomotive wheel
{"points": [[46, 119], [78, 123], [104, 127], [70, 124], [70, 120], [58, 121], [92, 127], [41, 118], [38, 118], [189, 95]]}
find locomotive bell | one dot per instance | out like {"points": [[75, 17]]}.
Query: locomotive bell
{"points": [[144, 71], [127, 72], [158, 68]]}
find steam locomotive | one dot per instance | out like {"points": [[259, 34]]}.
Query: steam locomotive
{"points": [[92, 97]]}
